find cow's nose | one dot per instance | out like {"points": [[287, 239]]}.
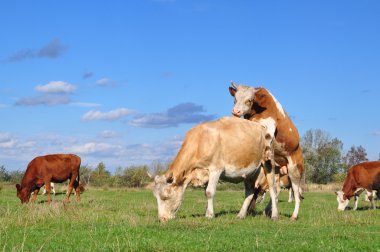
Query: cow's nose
{"points": [[236, 112]]}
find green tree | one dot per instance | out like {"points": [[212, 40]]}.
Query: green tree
{"points": [[16, 176], [354, 156], [85, 174], [100, 176], [4, 174], [135, 176], [322, 156]]}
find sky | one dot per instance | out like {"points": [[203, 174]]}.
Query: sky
{"points": [[121, 82]]}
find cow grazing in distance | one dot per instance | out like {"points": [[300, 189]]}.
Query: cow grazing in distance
{"points": [[259, 105], [369, 196], [364, 175], [231, 149], [52, 187], [50, 168]]}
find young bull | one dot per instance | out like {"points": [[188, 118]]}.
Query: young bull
{"points": [[365, 175], [259, 105], [230, 149], [50, 168]]}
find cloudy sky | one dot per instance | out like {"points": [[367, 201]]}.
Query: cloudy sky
{"points": [[122, 81]]}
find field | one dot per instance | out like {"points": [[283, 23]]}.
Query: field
{"points": [[126, 220]]}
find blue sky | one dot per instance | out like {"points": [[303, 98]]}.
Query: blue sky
{"points": [[122, 81]]}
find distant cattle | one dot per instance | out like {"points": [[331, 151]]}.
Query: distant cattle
{"points": [[231, 149], [52, 187], [50, 168], [259, 105], [361, 176]]}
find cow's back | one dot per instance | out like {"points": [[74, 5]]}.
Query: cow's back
{"points": [[57, 166], [366, 175]]}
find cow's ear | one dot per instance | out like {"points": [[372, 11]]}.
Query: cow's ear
{"points": [[169, 178], [232, 91], [18, 187]]}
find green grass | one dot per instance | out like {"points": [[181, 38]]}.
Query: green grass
{"points": [[126, 220]]}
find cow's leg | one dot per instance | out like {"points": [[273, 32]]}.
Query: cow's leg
{"points": [[70, 188], [35, 193], [372, 199], [356, 199], [77, 190], [273, 203], [295, 177], [53, 188], [210, 192], [48, 190], [290, 199], [249, 193]]}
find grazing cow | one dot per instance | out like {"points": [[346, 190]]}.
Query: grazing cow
{"points": [[365, 175], [50, 168], [369, 196], [230, 149], [259, 105], [52, 187]]}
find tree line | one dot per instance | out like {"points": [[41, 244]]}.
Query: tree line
{"points": [[325, 162]]}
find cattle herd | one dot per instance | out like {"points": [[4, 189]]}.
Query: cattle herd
{"points": [[262, 150]]}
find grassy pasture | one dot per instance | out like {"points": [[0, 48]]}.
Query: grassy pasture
{"points": [[126, 220]]}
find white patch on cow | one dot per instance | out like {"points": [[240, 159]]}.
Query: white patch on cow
{"points": [[270, 125], [342, 204], [290, 129], [232, 171], [278, 105]]}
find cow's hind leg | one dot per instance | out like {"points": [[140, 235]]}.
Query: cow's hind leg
{"points": [[210, 192], [295, 177], [272, 207], [48, 190], [77, 190], [249, 198]]}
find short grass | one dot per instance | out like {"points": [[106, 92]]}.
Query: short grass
{"points": [[126, 220]]}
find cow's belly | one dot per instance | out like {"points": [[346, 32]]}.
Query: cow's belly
{"points": [[235, 175]]}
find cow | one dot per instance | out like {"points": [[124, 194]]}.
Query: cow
{"points": [[50, 168], [52, 187], [231, 149], [259, 105], [364, 175]]}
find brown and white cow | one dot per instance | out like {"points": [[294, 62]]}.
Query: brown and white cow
{"points": [[259, 105], [230, 149], [365, 175], [50, 168]]}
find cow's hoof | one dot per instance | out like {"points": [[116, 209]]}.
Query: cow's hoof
{"points": [[275, 218], [240, 216], [293, 218]]}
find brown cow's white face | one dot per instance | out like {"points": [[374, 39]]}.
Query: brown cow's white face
{"points": [[23, 194], [169, 197], [342, 203], [243, 100]]}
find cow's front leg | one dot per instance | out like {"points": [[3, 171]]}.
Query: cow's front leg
{"points": [[371, 197], [210, 192], [35, 193], [249, 193]]}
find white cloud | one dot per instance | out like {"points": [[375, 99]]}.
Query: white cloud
{"points": [[85, 104], [375, 132], [49, 100], [93, 147], [107, 116], [108, 134], [7, 141], [56, 87], [104, 82]]}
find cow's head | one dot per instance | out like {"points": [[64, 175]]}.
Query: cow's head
{"points": [[244, 98], [342, 200], [23, 194], [169, 196]]}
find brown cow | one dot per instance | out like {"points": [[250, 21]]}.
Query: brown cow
{"points": [[365, 175], [258, 104], [50, 168]]}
